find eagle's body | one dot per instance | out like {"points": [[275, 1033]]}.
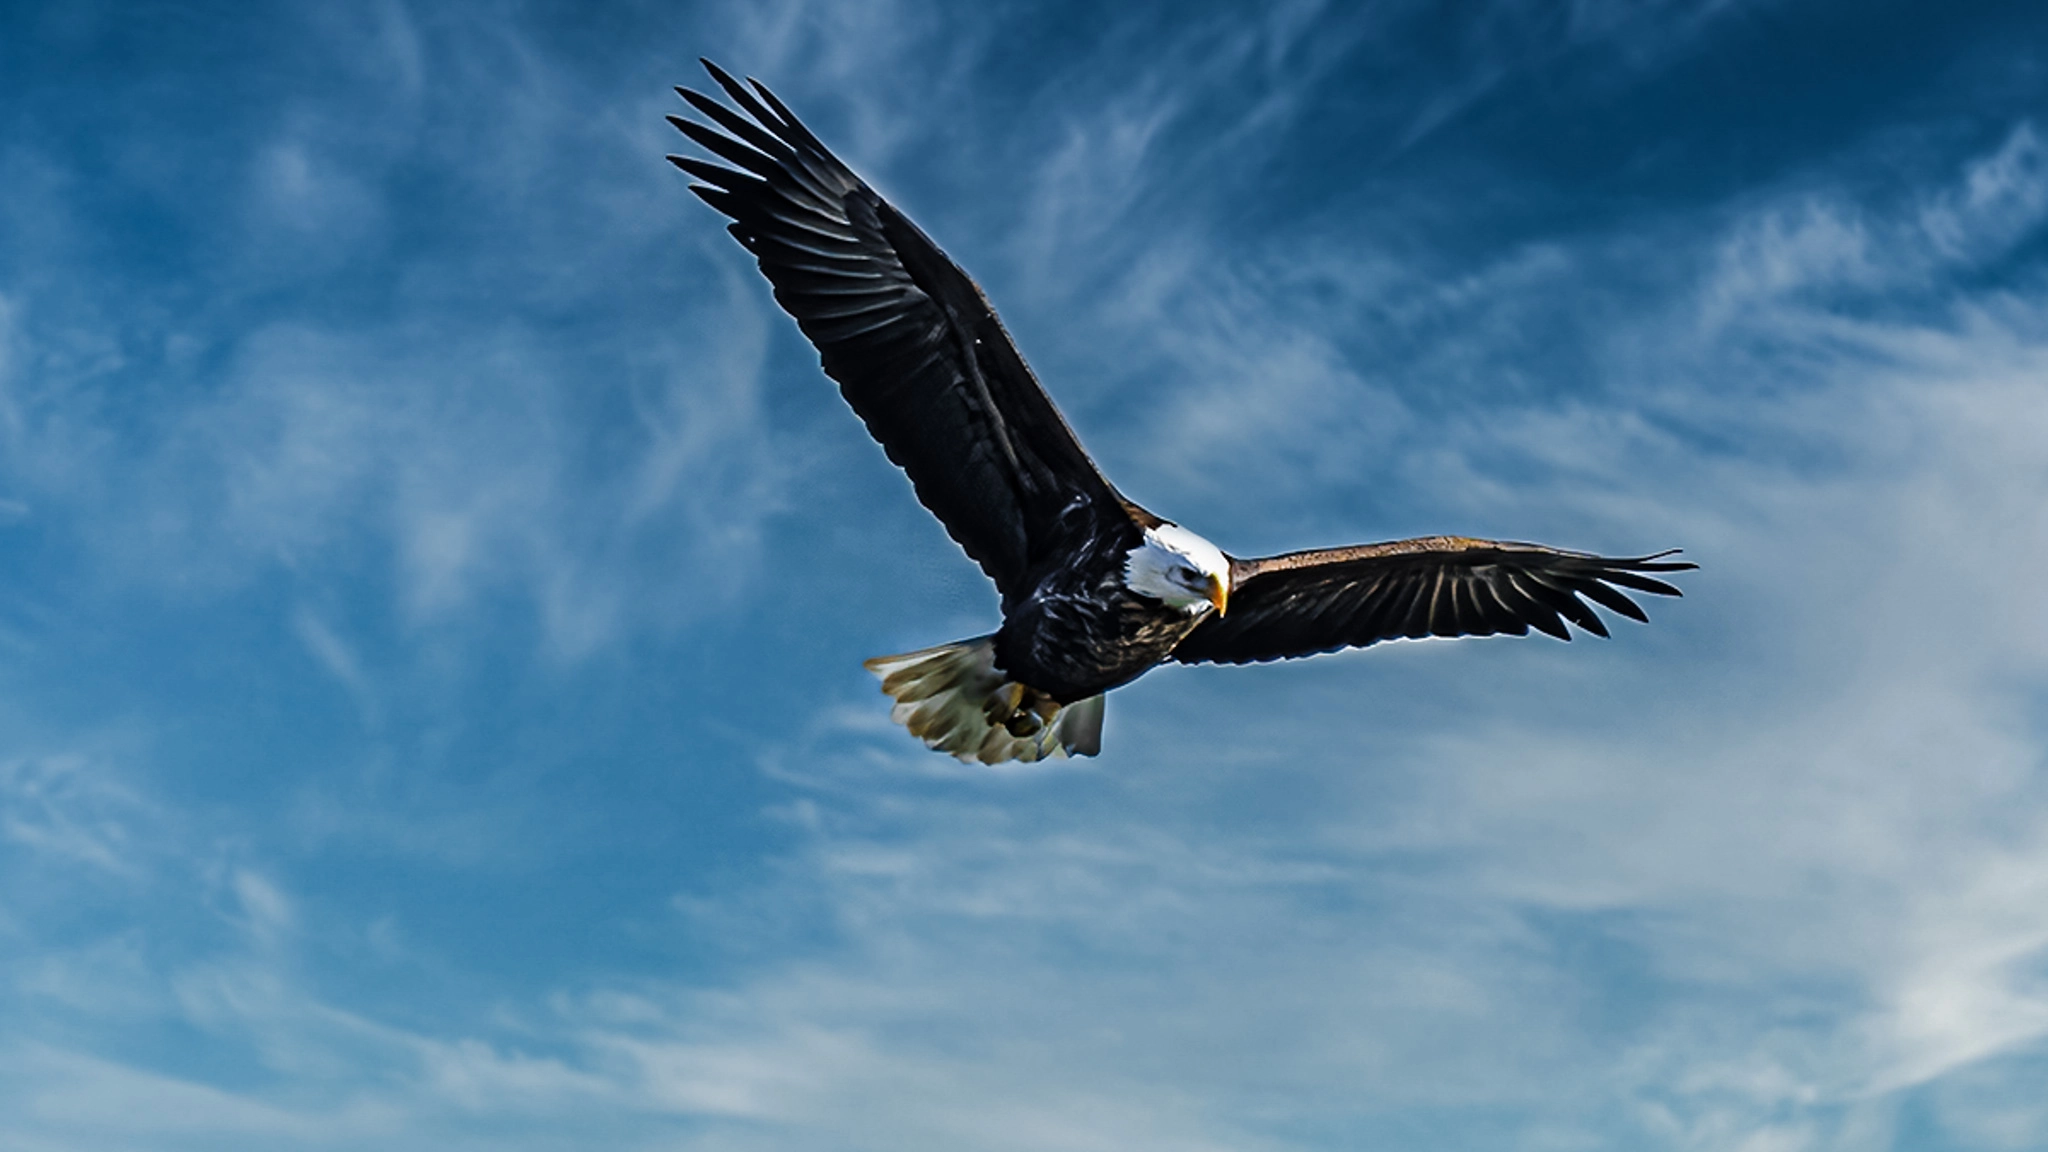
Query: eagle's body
{"points": [[1095, 590], [1082, 631]]}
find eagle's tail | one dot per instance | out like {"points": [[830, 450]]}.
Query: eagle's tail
{"points": [[953, 698]]}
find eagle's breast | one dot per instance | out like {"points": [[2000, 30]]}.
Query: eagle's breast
{"points": [[1083, 631]]}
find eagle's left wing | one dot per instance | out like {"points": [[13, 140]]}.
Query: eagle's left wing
{"points": [[916, 348], [1308, 602]]}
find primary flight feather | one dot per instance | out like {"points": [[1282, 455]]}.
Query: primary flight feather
{"points": [[1095, 590]]}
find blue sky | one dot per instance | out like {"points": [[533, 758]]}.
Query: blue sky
{"points": [[434, 580]]}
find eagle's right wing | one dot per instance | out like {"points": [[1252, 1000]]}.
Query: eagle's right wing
{"points": [[1308, 602], [916, 349]]}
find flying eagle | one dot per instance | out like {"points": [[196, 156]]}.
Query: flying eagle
{"points": [[1095, 590]]}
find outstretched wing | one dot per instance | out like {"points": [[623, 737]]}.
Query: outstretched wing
{"points": [[914, 345], [1308, 602]]}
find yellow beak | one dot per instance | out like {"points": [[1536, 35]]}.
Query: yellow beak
{"points": [[1219, 594]]}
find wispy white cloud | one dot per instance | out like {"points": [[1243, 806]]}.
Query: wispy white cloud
{"points": [[455, 441], [1507, 39], [2004, 197], [1829, 243], [335, 654], [64, 807]]}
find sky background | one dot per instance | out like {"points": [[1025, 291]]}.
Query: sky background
{"points": [[434, 580]]}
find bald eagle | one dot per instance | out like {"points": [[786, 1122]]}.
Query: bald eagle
{"points": [[1095, 590]]}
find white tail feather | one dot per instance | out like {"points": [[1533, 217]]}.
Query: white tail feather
{"points": [[953, 698]]}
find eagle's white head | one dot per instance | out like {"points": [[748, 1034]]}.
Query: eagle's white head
{"points": [[1181, 569]]}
